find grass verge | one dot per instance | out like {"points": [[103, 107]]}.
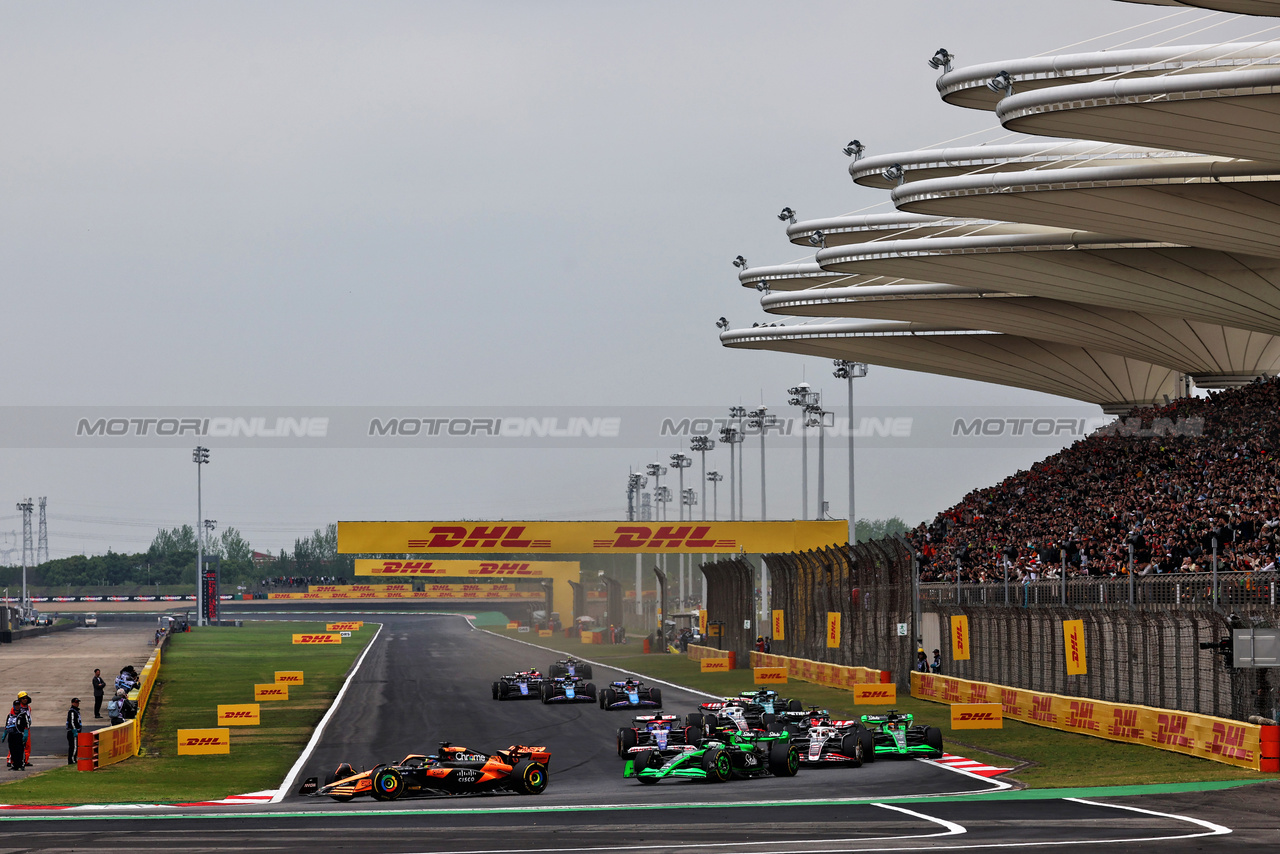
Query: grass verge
{"points": [[1048, 758], [202, 668]]}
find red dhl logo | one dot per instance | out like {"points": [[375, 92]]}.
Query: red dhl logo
{"points": [[951, 690], [1172, 729], [1075, 647], [870, 693], [1124, 724], [626, 537], [408, 567], [959, 640], [202, 742], [289, 680], [1009, 702], [1081, 716], [1228, 742], [318, 639], [928, 686], [976, 716], [230, 715], [268, 692], [978, 693], [1042, 709]]}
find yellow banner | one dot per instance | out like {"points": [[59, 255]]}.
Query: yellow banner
{"points": [[977, 716], [271, 691], [831, 675], [833, 629], [239, 714], [359, 588], [506, 570], [512, 625], [709, 665], [289, 677], [960, 638], [199, 741], [779, 626], [702, 622], [1219, 739], [1073, 644], [343, 627], [586, 537], [545, 633], [713, 630], [885, 694], [768, 675], [317, 638], [117, 742]]}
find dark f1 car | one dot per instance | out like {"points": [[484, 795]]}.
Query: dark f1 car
{"points": [[656, 732], [822, 741], [750, 710], [570, 667], [568, 689], [630, 694], [453, 771], [519, 686], [738, 755], [894, 735]]}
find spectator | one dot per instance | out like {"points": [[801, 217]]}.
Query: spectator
{"points": [[922, 662], [15, 733], [768, 644], [760, 644], [74, 727], [25, 699], [936, 666], [99, 687], [115, 711]]}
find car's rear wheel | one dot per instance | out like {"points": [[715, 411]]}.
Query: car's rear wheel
{"points": [[795, 706], [868, 740], [716, 764], [933, 738], [851, 747], [768, 719], [530, 777], [496, 691], [558, 670], [784, 759], [590, 690], [610, 697], [694, 719], [643, 760], [585, 671], [693, 736], [656, 696], [626, 741], [387, 784]]}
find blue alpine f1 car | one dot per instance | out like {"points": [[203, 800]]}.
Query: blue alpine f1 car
{"points": [[630, 694]]}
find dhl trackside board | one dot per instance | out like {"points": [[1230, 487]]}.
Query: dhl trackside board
{"points": [[271, 691], [977, 716], [204, 741], [461, 537], [875, 694], [289, 677], [239, 714]]}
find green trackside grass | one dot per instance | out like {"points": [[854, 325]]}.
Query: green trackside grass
{"points": [[201, 669], [1052, 759]]}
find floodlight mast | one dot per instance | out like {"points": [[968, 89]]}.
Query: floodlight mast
{"points": [[845, 370], [199, 456]]}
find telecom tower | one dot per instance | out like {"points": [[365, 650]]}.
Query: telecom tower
{"points": [[42, 539]]}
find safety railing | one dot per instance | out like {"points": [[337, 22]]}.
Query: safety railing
{"points": [[1235, 590]]}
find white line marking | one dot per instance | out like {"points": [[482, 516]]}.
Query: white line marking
{"points": [[952, 829], [287, 786]]}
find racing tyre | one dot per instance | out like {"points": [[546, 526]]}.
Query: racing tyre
{"points": [[557, 670], [585, 671], [387, 784], [590, 690], [609, 697], [795, 706], [502, 690], [718, 766], [530, 777], [868, 745], [342, 772], [643, 760], [933, 738], [769, 720], [656, 696], [546, 694], [626, 741], [851, 747], [784, 759], [693, 736], [694, 719]]}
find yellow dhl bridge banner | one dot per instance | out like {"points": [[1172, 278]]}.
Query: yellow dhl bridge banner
{"points": [[325, 637], [271, 691], [586, 537], [239, 714], [977, 716], [478, 569], [197, 741], [1219, 739], [831, 675], [359, 588], [289, 677], [415, 594]]}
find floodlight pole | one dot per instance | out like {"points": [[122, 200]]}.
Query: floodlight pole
{"points": [[846, 370], [200, 456]]}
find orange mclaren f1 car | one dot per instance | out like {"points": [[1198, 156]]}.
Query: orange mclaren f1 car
{"points": [[452, 771]]}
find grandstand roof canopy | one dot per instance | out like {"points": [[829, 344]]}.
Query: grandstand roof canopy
{"points": [[802, 275], [1232, 206], [1215, 355], [860, 228], [1235, 290], [967, 86], [1240, 7], [1114, 382]]}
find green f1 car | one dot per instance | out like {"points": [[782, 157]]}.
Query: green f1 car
{"points": [[893, 735], [721, 758]]}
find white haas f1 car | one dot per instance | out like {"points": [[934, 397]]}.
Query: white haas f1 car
{"points": [[568, 689], [630, 694], [662, 733], [822, 741]]}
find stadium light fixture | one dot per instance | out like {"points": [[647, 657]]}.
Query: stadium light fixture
{"points": [[895, 174], [740, 262], [723, 323], [818, 239], [854, 149], [942, 59], [1002, 82], [788, 215]]}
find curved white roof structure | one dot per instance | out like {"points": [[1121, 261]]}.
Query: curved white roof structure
{"points": [[1217, 356], [1234, 290], [799, 276], [860, 228], [1230, 113], [930, 163], [967, 86], [1231, 206], [1115, 383], [1269, 8]]}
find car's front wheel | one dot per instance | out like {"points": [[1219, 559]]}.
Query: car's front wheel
{"points": [[387, 784]]}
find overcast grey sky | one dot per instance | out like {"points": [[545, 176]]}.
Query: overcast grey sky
{"points": [[453, 204]]}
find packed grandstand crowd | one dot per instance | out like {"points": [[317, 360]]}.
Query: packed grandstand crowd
{"points": [[1166, 481]]}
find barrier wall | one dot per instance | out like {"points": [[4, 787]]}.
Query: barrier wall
{"points": [[1219, 739], [113, 744], [830, 675], [697, 653]]}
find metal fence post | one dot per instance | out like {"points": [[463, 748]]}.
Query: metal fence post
{"points": [[1213, 598], [1130, 574], [1063, 554]]}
